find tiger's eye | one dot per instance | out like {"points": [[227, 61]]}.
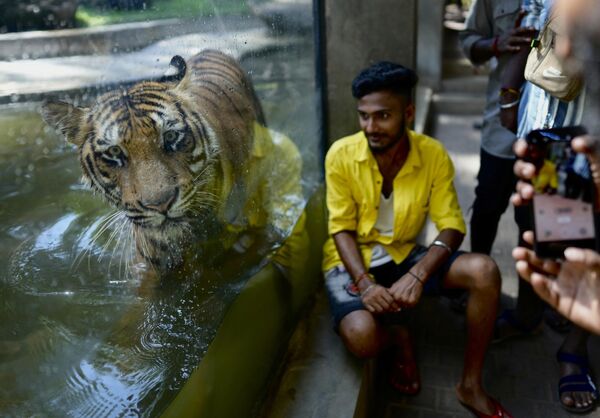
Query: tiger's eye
{"points": [[170, 136], [114, 151]]}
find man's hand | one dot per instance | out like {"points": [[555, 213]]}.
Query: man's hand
{"points": [[575, 292], [407, 291], [378, 299], [588, 145], [515, 39]]}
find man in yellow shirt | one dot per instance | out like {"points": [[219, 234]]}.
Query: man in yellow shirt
{"points": [[382, 182]]}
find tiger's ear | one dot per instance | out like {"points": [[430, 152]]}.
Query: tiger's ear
{"points": [[177, 71], [65, 118]]}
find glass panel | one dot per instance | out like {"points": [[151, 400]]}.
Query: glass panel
{"points": [[112, 288]]}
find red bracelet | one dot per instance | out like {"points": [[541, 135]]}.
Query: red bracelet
{"points": [[362, 276], [495, 46]]}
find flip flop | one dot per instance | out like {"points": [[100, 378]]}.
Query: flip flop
{"points": [[405, 378], [499, 411], [578, 382]]}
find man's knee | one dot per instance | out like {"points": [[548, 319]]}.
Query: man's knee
{"points": [[483, 272], [359, 331]]}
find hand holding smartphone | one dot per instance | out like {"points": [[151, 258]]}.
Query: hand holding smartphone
{"points": [[563, 212]]}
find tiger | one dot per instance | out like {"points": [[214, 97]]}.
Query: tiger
{"points": [[179, 153]]}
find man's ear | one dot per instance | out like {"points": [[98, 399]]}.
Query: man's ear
{"points": [[409, 113], [67, 119]]}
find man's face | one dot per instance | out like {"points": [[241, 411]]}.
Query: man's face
{"points": [[383, 116]]}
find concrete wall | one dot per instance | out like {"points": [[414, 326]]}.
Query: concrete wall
{"points": [[359, 33]]}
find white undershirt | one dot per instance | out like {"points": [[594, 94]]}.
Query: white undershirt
{"points": [[385, 226]]}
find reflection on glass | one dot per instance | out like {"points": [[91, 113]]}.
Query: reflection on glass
{"points": [[109, 301]]}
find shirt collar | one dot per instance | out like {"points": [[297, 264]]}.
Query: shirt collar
{"points": [[413, 159]]}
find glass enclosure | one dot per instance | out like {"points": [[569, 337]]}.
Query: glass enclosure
{"points": [[132, 218]]}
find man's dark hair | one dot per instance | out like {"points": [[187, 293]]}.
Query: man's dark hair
{"points": [[384, 75]]}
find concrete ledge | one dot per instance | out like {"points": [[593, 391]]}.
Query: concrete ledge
{"points": [[423, 100], [285, 16], [320, 378], [110, 39], [458, 103], [82, 77]]}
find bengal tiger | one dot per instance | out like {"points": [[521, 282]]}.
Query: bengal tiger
{"points": [[180, 153]]}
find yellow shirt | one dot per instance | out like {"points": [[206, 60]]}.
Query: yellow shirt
{"points": [[269, 196], [424, 185]]}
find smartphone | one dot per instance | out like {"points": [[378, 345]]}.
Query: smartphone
{"points": [[563, 209]]}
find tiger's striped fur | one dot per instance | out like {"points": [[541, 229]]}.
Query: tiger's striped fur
{"points": [[167, 152]]}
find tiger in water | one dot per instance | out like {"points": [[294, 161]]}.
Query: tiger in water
{"points": [[182, 153]]}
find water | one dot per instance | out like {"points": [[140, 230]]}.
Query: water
{"points": [[81, 334]]}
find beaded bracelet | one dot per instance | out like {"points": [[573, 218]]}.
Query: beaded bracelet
{"points": [[371, 286]]}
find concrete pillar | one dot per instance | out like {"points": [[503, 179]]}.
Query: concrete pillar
{"points": [[358, 34], [430, 42]]}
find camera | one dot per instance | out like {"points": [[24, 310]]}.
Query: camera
{"points": [[562, 210]]}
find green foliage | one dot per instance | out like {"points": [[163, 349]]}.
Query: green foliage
{"points": [[160, 9]]}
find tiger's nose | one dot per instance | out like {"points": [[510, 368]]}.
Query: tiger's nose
{"points": [[161, 202]]}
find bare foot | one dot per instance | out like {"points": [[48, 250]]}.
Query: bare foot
{"points": [[404, 372], [475, 398], [404, 375]]}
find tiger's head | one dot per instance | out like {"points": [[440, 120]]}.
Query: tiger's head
{"points": [[155, 152]]}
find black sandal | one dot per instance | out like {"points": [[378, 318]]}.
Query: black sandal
{"points": [[578, 382]]}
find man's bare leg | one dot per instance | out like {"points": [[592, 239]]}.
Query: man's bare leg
{"points": [[480, 276], [365, 337]]}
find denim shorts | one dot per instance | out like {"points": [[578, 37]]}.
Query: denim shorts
{"points": [[344, 297]]}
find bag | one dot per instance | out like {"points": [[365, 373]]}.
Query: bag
{"points": [[547, 71]]}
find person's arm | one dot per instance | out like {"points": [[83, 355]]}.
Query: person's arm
{"points": [[511, 80], [376, 298], [445, 212], [511, 42], [513, 76], [481, 41], [478, 31], [438, 254], [342, 223]]}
